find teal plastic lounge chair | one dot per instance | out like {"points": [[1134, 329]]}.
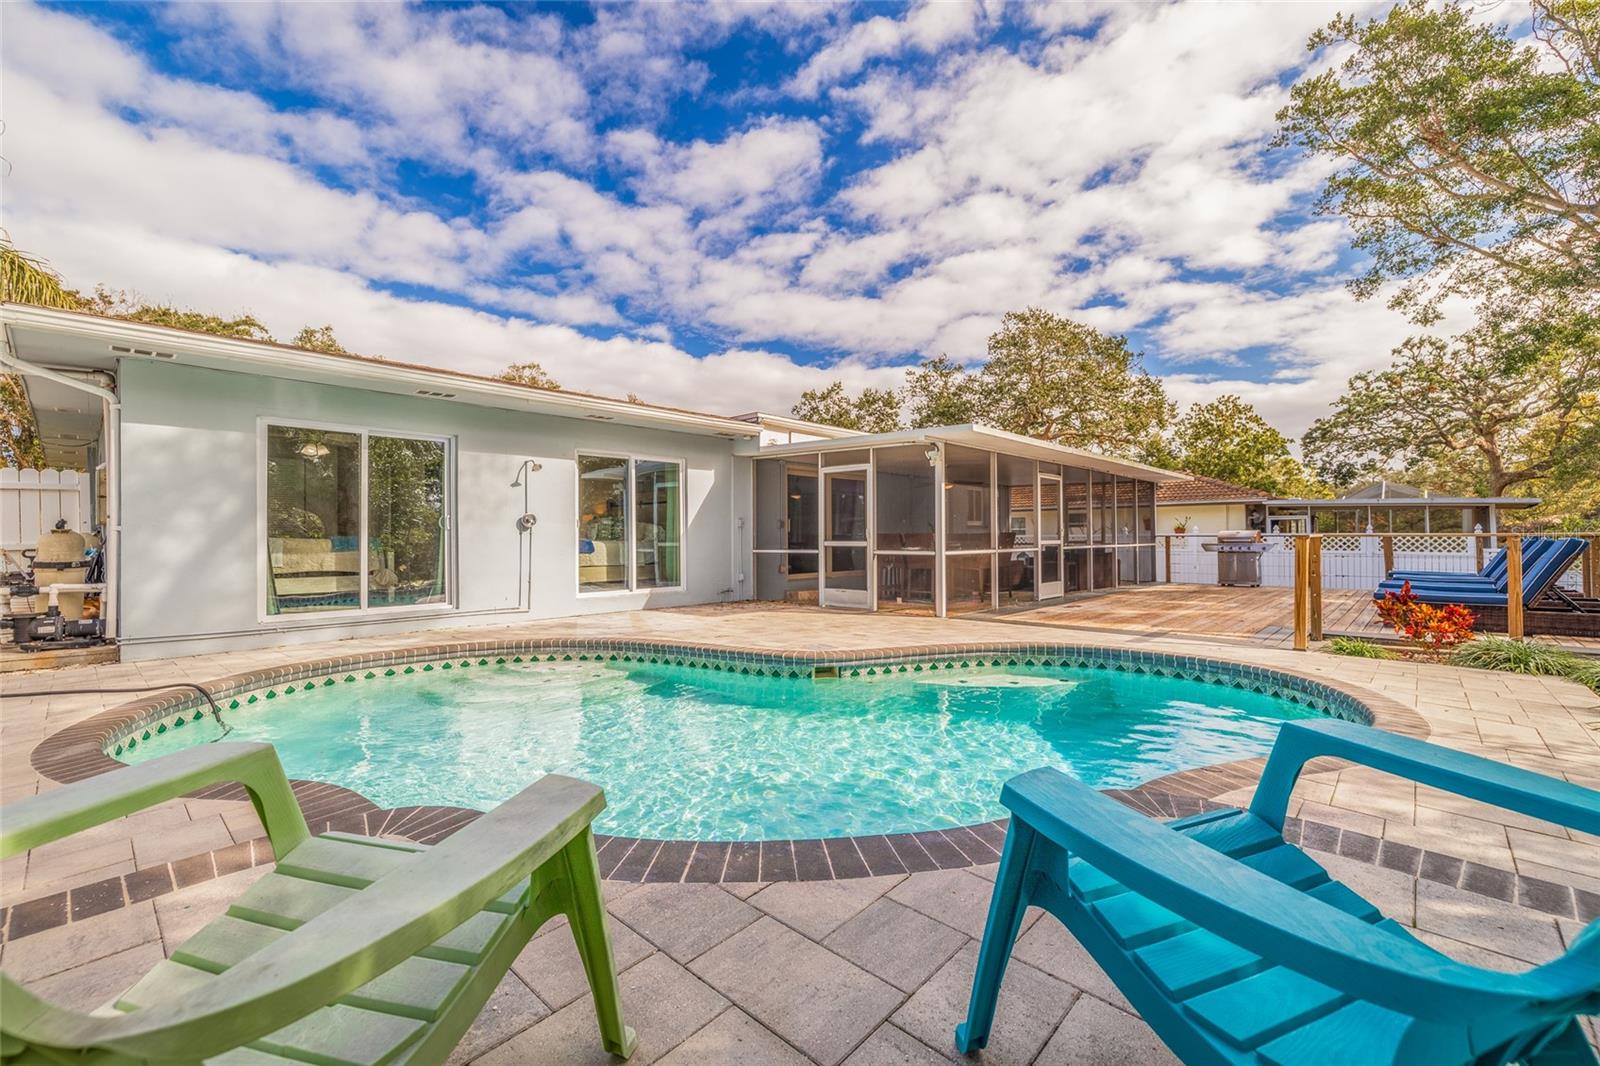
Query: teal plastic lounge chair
{"points": [[1539, 579], [353, 950], [1237, 948], [1493, 574]]}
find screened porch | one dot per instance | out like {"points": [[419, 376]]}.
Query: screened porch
{"points": [[948, 521]]}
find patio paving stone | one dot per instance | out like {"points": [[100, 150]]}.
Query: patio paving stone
{"points": [[893, 942], [1031, 1005], [806, 994], [67, 946], [663, 1002], [817, 908], [683, 920], [1096, 1034], [889, 1046], [1049, 947], [955, 897], [734, 1039], [183, 914], [511, 1008], [550, 965], [1467, 917], [90, 986], [1391, 892], [828, 970]]}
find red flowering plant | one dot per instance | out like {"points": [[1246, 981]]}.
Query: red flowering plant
{"points": [[1432, 631]]}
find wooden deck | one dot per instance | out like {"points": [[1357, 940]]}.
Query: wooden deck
{"points": [[1238, 615]]}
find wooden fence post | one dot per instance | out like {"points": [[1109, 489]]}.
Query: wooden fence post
{"points": [[1302, 592], [1477, 550], [1387, 539], [1314, 584], [1514, 587], [1167, 540]]}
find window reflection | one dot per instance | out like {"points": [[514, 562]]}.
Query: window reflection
{"points": [[405, 521], [968, 504], [313, 520], [602, 523]]}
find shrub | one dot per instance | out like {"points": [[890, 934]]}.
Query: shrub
{"points": [[1360, 649], [1433, 631], [1587, 673], [1517, 657]]}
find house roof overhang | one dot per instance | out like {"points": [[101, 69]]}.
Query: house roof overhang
{"points": [[1214, 499], [790, 424], [1402, 503], [970, 436], [78, 341]]}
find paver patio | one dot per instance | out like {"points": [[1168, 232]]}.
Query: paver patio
{"points": [[864, 971]]}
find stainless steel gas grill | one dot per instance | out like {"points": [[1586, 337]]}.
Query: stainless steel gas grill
{"points": [[1238, 556]]}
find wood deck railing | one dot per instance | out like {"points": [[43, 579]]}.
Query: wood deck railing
{"points": [[1309, 580], [1309, 563]]}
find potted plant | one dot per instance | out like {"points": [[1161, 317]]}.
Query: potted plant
{"points": [[1181, 526]]}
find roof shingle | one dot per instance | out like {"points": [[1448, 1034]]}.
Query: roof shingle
{"points": [[1197, 489]]}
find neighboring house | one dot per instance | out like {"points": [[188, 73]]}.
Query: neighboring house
{"points": [[255, 494], [1208, 505], [1211, 505]]}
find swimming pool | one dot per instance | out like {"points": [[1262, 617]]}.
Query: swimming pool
{"points": [[692, 753]]}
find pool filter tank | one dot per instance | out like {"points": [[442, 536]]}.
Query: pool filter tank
{"points": [[62, 559]]}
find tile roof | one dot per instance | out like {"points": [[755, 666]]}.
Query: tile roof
{"points": [[1197, 489]]}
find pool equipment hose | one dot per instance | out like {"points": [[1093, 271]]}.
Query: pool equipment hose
{"points": [[216, 712]]}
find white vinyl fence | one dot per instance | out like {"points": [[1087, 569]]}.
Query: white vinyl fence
{"points": [[32, 501], [1349, 561]]}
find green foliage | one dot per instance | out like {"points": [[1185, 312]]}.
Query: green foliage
{"points": [[873, 411], [1046, 377], [1358, 648], [20, 445], [319, 339], [1062, 381], [1484, 423], [940, 392], [1227, 439], [1516, 656], [122, 304], [530, 374], [1588, 673], [1468, 162], [25, 279]]}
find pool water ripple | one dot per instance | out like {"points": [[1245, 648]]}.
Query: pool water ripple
{"points": [[687, 754]]}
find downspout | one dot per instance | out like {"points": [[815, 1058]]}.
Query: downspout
{"points": [[84, 381]]}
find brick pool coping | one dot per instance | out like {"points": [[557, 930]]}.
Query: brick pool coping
{"points": [[79, 752]]}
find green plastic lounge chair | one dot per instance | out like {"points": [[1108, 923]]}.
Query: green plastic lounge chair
{"points": [[354, 950], [1237, 948]]}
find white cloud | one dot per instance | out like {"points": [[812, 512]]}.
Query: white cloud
{"points": [[926, 28], [923, 179], [773, 162]]}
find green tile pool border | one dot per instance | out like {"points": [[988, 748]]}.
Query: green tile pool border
{"points": [[80, 751], [87, 748]]}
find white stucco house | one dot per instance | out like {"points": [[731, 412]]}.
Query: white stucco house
{"points": [[253, 494]]}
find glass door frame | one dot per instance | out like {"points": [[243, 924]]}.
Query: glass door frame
{"points": [[1052, 590], [859, 599]]}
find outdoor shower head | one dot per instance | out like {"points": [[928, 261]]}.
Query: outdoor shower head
{"points": [[531, 466]]}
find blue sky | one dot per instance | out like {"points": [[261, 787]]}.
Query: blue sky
{"points": [[711, 205]]}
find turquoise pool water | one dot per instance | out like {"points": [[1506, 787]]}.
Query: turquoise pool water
{"points": [[690, 753]]}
